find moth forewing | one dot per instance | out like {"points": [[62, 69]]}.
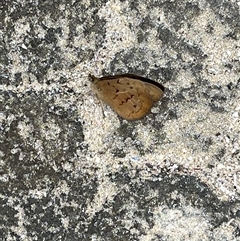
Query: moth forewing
{"points": [[155, 92], [131, 96]]}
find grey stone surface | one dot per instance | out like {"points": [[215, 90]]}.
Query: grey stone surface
{"points": [[68, 173]]}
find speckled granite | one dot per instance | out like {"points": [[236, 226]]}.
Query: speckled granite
{"points": [[67, 173]]}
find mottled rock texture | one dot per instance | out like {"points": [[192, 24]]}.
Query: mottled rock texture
{"points": [[68, 173]]}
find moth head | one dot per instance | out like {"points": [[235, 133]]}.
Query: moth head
{"points": [[92, 78]]}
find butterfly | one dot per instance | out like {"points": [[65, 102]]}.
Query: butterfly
{"points": [[131, 96]]}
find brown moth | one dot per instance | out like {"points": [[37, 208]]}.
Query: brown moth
{"points": [[131, 96]]}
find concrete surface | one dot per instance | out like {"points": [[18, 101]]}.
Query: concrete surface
{"points": [[68, 173]]}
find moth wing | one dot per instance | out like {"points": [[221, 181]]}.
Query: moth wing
{"points": [[154, 91], [128, 97], [141, 102]]}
